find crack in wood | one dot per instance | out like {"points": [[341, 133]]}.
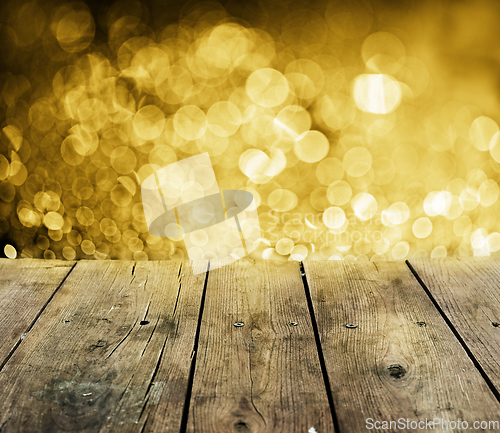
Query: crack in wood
{"points": [[124, 391], [177, 299], [123, 339], [147, 309], [251, 386], [192, 368], [143, 429], [150, 336], [146, 399], [157, 367]]}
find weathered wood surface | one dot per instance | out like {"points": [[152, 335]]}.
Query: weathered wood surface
{"points": [[150, 347], [401, 360], [26, 286], [467, 291], [110, 352], [264, 376]]}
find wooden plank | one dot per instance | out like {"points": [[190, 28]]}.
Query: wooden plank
{"points": [[26, 285], [468, 292], [264, 376], [401, 360], [92, 362]]}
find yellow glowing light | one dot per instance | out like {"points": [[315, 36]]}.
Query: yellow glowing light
{"points": [[454, 207], [488, 192], [53, 221], [435, 203], [4, 168], [422, 227], [381, 246], [470, 198], [357, 161], [224, 118], [482, 130], [493, 242], [299, 252], [383, 52], [334, 217], [401, 250], [68, 253], [75, 31], [439, 252], [364, 206], [149, 122], [339, 193], [398, 213], [123, 160], [478, 238], [337, 111], [462, 226], [259, 167], [311, 146], [284, 246], [494, 146], [190, 122], [10, 251], [282, 200], [306, 78], [376, 93], [286, 113], [329, 170], [267, 87], [292, 121]]}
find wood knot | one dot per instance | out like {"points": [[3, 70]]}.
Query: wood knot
{"points": [[397, 371], [241, 426]]}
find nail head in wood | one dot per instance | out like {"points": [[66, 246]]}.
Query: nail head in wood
{"points": [[351, 325], [239, 324]]}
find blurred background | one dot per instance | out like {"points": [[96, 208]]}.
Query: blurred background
{"points": [[365, 130]]}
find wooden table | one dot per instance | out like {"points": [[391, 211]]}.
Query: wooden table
{"points": [[249, 347]]}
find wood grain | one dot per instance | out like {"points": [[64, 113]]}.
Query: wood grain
{"points": [[264, 376], [111, 349], [26, 285], [402, 360], [468, 292]]}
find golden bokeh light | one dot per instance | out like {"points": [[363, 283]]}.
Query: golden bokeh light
{"points": [[376, 93], [358, 127]]}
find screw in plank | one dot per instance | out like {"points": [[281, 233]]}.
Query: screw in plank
{"points": [[293, 323], [421, 324], [351, 325], [239, 324]]}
